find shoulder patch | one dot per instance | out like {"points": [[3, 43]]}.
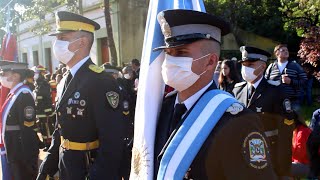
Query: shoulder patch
{"points": [[240, 84], [235, 108], [171, 93], [29, 112], [255, 150], [275, 83], [95, 68], [113, 99], [287, 105]]}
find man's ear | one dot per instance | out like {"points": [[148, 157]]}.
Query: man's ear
{"points": [[212, 63], [83, 41]]}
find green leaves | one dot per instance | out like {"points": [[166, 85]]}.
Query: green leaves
{"points": [[258, 16], [300, 14]]}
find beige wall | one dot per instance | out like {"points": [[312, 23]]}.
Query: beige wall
{"points": [[251, 39], [133, 15]]}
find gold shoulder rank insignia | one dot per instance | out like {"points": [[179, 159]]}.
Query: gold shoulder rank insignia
{"points": [[95, 68], [28, 124], [113, 98], [288, 122]]}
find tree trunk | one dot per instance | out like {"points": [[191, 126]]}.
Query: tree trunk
{"points": [[112, 47], [80, 7]]}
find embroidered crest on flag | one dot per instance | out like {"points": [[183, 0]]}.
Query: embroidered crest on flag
{"points": [[140, 161]]}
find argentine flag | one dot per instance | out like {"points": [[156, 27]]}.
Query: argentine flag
{"points": [[151, 87]]}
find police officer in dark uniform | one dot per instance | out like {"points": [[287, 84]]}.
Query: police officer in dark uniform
{"points": [[89, 126], [128, 112], [192, 51], [270, 103], [44, 111], [18, 120]]}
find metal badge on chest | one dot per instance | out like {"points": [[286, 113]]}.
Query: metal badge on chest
{"points": [[75, 102]]}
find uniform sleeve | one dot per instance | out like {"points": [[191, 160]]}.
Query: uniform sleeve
{"points": [[241, 150], [29, 139], [313, 145], [43, 98], [26, 114], [314, 119], [284, 117], [49, 165], [111, 131]]}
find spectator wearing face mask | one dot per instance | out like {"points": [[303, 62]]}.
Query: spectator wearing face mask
{"points": [[18, 141]]}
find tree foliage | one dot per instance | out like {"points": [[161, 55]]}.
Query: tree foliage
{"points": [[38, 10], [15, 15], [303, 16], [310, 47], [300, 15], [261, 17]]}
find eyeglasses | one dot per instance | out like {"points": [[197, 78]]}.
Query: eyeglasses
{"points": [[283, 50]]}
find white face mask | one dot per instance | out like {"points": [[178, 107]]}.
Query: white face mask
{"points": [[177, 73], [5, 82], [126, 76], [36, 76], [248, 73], [62, 52]]}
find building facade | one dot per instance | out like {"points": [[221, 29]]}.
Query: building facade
{"points": [[128, 19]]}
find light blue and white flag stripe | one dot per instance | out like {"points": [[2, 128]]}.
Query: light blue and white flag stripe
{"points": [[151, 87], [190, 137]]}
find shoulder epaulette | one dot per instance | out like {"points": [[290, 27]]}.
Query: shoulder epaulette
{"points": [[171, 93], [95, 68], [240, 84]]}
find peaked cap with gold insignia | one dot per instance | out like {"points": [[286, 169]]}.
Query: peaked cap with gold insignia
{"points": [[67, 21]]}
